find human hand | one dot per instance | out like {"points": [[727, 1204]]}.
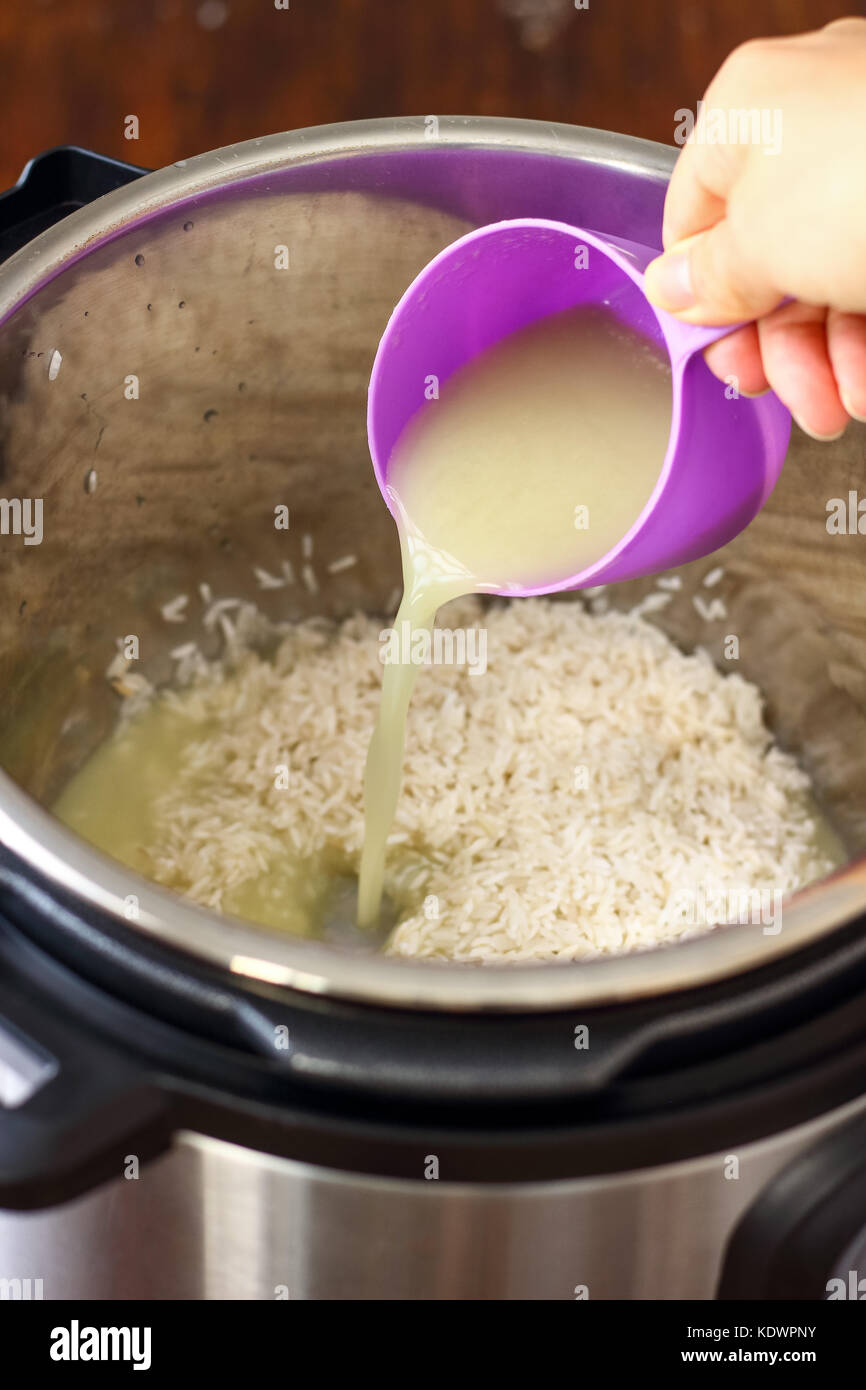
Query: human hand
{"points": [[745, 228]]}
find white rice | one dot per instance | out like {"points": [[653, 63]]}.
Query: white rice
{"points": [[175, 610], [551, 808], [652, 603], [345, 562], [711, 612], [217, 609], [184, 650], [269, 581]]}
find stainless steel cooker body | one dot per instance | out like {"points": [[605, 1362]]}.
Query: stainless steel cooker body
{"points": [[176, 359], [213, 1220]]}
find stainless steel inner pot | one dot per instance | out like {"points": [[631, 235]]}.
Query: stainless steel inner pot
{"points": [[251, 384]]}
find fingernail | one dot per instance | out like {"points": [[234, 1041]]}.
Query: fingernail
{"points": [[850, 409], [668, 281], [813, 434], [755, 395]]}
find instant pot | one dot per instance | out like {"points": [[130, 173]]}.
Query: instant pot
{"points": [[193, 1107]]}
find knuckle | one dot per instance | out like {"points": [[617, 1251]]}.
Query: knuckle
{"points": [[747, 58], [849, 26], [750, 69]]}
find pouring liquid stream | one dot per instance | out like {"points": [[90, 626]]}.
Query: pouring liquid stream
{"points": [[535, 462]]}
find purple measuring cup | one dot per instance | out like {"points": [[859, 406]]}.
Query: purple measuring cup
{"points": [[724, 453]]}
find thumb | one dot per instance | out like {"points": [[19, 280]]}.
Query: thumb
{"points": [[706, 279]]}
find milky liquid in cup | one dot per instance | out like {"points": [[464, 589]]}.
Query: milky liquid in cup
{"points": [[537, 458]]}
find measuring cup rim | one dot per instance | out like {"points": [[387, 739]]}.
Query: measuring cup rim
{"points": [[680, 341]]}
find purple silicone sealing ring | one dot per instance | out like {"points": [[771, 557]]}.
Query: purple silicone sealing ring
{"points": [[724, 453]]}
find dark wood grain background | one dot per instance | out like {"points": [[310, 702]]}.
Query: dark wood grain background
{"points": [[204, 73]]}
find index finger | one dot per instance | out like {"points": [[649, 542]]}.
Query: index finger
{"points": [[698, 191], [707, 169]]}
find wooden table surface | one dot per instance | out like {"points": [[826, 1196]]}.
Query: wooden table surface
{"points": [[203, 73]]}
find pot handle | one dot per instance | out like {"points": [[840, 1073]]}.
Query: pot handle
{"points": [[53, 184], [804, 1236], [74, 1111]]}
